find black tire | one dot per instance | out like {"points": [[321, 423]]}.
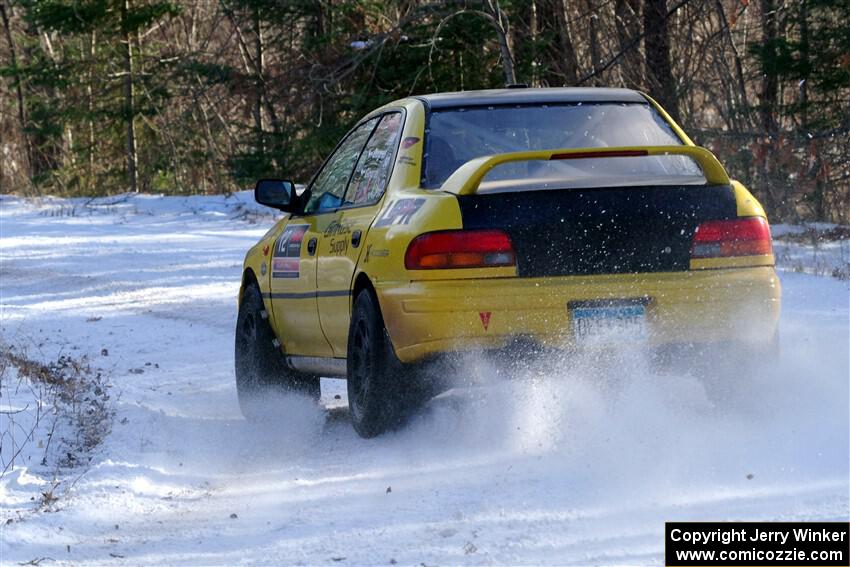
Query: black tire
{"points": [[382, 392], [260, 366]]}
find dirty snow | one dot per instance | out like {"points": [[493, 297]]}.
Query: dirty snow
{"points": [[581, 465]]}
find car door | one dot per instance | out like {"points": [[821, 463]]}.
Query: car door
{"points": [[340, 241], [294, 261]]}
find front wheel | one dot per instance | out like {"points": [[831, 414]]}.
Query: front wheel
{"points": [[260, 366], [380, 395]]}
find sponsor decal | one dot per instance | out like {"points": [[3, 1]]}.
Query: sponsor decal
{"points": [[381, 253], [400, 212], [286, 267], [406, 160], [337, 228], [338, 246], [286, 262], [409, 142], [485, 319], [266, 250]]}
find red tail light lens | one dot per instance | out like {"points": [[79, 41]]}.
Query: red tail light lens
{"points": [[739, 237], [460, 249]]}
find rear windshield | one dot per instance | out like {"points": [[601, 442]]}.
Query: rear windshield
{"points": [[457, 135]]}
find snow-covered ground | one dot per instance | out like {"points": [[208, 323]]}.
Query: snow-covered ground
{"points": [[814, 248], [578, 466]]}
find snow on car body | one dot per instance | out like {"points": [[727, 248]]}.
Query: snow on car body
{"points": [[474, 221]]}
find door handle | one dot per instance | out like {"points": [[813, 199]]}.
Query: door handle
{"points": [[311, 247], [355, 238]]}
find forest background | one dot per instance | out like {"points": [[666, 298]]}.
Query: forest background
{"points": [[102, 97]]}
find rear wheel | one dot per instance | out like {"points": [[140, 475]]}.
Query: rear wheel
{"points": [[261, 368], [381, 392]]}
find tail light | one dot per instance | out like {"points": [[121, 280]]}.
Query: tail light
{"points": [[738, 237], [460, 249]]}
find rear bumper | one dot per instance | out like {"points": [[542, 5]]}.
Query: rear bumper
{"points": [[702, 306]]}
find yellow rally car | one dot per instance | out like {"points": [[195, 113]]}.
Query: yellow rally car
{"points": [[486, 220]]}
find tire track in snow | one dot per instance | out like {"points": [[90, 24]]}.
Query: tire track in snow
{"points": [[553, 468]]}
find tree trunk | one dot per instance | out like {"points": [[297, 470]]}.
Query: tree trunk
{"points": [[532, 33], [815, 162], [769, 83], [500, 24], [593, 36], [19, 92], [258, 84], [775, 187], [804, 59], [659, 72], [627, 22], [90, 105], [569, 59], [736, 57], [129, 105]]}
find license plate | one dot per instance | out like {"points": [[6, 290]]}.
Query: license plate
{"points": [[609, 321]]}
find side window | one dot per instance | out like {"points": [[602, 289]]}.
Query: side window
{"points": [[375, 163], [329, 188]]}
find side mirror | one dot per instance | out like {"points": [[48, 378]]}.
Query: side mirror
{"points": [[277, 193]]}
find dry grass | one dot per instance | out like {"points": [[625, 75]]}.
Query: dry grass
{"points": [[67, 413]]}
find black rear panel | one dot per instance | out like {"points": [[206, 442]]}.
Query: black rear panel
{"points": [[600, 231]]}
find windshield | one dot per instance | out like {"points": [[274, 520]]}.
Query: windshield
{"points": [[457, 135]]}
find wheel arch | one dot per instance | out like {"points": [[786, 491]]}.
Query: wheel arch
{"points": [[363, 282], [248, 278]]}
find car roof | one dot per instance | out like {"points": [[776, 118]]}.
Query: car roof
{"points": [[530, 96]]}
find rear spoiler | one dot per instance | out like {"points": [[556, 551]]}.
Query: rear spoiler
{"points": [[467, 178]]}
